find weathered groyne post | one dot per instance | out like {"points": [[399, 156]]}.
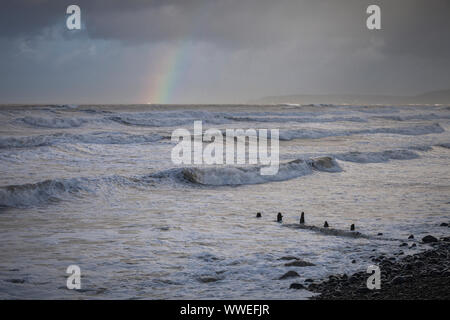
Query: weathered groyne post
{"points": [[302, 218], [279, 217]]}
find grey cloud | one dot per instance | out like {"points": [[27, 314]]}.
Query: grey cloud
{"points": [[409, 26], [237, 49]]}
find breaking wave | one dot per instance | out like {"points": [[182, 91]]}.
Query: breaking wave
{"points": [[54, 123], [320, 133], [48, 191], [251, 175], [377, 157], [431, 116], [171, 119], [37, 193], [168, 118], [92, 138], [295, 119], [187, 117]]}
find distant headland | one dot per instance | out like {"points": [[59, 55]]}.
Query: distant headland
{"points": [[432, 97]]}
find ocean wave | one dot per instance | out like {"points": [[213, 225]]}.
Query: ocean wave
{"points": [[33, 194], [377, 157], [223, 176], [168, 118], [91, 138], [53, 190], [54, 123], [178, 118], [295, 119], [409, 131], [431, 116], [48, 191], [375, 109], [321, 133]]}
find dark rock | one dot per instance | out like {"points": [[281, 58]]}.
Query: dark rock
{"points": [[407, 267], [443, 224], [353, 261], [397, 280], [413, 245], [258, 215], [352, 227], [380, 234], [363, 290], [299, 263], [424, 275], [309, 280], [325, 225], [400, 279], [411, 237], [446, 239], [404, 244], [16, 281], [208, 279], [296, 286], [289, 274], [429, 239], [288, 258], [353, 279]]}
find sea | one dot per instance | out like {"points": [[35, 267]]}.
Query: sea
{"points": [[95, 186]]}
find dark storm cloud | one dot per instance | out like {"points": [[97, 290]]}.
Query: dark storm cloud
{"points": [[420, 28], [234, 49], [414, 27]]}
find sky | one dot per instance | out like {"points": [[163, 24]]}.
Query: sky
{"points": [[219, 51]]}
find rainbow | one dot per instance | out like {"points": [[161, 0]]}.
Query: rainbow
{"points": [[168, 72]]}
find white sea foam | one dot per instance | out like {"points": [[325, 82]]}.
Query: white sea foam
{"points": [[431, 116], [55, 123], [52, 190], [37, 193], [93, 138], [376, 157], [296, 119], [220, 176], [168, 118], [321, 133], [34, 194]]}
